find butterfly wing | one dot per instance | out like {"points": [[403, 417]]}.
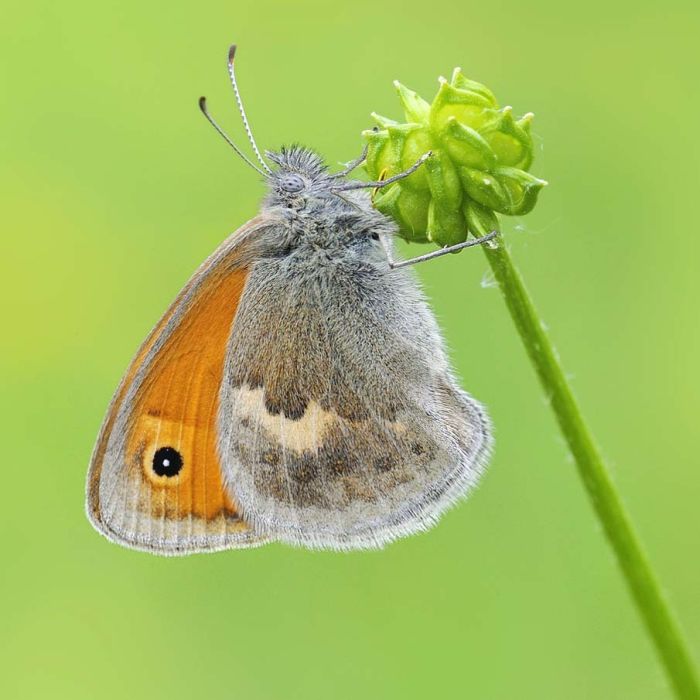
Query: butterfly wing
{"points": [[155, 479], [340, 424]]}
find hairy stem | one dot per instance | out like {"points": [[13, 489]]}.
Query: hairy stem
{"points": [[654, 609]]}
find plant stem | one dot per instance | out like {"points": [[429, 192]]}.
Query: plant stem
{"points": [[654, 609]]}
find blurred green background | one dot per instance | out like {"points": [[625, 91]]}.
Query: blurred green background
{"points": [[113, 189]]}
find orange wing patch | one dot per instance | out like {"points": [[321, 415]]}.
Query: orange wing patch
{"points": [[155, 479], [177, 409]]}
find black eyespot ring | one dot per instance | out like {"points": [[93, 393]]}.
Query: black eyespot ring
{"points": [[292, 183], [167, 461], [375, 236]]}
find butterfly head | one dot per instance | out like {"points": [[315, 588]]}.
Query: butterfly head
{"points": [[298, 179], [319, 216]]}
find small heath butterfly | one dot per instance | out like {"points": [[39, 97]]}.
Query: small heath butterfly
{"points": [[297, 390]]}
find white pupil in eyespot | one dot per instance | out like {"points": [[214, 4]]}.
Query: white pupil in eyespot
{"points": [[167, 461]]}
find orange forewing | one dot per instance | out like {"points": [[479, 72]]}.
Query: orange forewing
{"points": [[178, 406], [177, 401]]}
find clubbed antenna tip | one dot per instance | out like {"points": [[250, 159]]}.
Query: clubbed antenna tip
{"points": [[239, 102]]}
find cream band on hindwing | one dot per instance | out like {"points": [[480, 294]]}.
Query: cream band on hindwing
{"points": [[296, 434]]}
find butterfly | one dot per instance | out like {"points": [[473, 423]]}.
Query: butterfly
{"points": [[297, 389]]}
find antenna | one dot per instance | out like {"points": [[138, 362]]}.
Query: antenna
{"points": [[203, 107], [232, 75]]}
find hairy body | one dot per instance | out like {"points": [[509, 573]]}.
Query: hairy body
{"points": [[334, 422]]}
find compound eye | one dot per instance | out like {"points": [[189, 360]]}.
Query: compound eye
{"points": [[292, 183]]}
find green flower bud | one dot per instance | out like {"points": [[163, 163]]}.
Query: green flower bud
{"points": [[408, 209], [478, 168]]}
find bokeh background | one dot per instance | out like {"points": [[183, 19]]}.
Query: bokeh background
{"points": [[112, 190]]}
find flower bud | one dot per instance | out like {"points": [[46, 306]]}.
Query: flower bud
{"points": [[479, 164]]}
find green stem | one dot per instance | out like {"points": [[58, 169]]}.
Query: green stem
{"points": [[635, 566]]}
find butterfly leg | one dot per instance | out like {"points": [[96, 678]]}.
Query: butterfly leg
{"points": [[352, 164], [388, 181], [436, 253]]}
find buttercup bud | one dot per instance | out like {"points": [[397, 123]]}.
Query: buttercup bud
{"points": [[478, 168]]}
